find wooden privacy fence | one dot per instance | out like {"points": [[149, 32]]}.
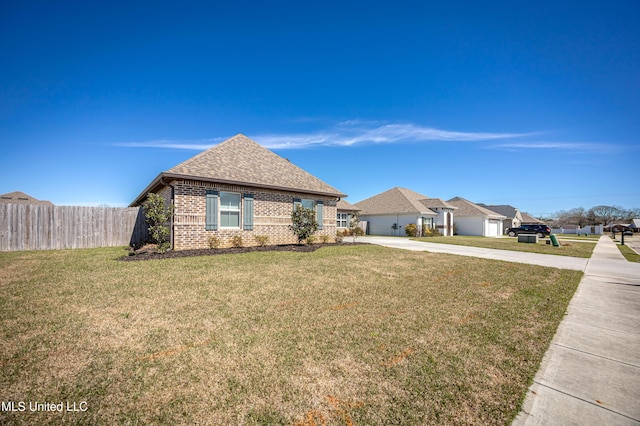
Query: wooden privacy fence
{"points": [[43, 227]]}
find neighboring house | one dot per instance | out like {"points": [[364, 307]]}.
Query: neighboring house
{"points": [[239, 188], [18, 197], [527, 219], [635, 225], [444, 220], [389, 212], [472, 219], [512, 214], [345, 211]]}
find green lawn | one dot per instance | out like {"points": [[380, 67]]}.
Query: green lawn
{"points": [[343, 335], [574, 249], [628, 253]]}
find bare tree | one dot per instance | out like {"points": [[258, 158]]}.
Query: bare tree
{"points": [[605, 214], [575, 216]]}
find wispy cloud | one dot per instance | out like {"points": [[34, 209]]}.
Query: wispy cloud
{"points": [[347, 133], [195, 144], [357, 133], [557, 146]]}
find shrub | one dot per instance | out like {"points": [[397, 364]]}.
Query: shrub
{"points": [[411, 230], [236, 241], [357, 232], [430, 232], [354, 227], [262, 240], [214, 242], [339, 236], [157, 215], [325, 239], [311, 239], [304, 222]]}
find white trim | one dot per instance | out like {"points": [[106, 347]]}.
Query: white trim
{"points": [[221, 209]]}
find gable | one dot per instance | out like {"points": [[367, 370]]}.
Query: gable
{"points": [[467, 208], [395, 201], [242, 161], [17, 197], [504, 210]]}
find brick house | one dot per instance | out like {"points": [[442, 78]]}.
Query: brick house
{"points": [[240, 188]]}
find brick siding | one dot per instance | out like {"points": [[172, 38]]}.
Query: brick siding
{"points": [[272, 215]]}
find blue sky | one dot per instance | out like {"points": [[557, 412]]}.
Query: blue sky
{"points": [[533, 104]]}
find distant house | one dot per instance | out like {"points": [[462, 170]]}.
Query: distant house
{"points": [[527, 219], [512, 214], [389, 212], [18, 197], [240, 189], [473, 219], [635, 225], [345, 211]]}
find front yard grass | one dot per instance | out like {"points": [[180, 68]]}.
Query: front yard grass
{"points": [[629, 253], [574, 249], [343, 335]]}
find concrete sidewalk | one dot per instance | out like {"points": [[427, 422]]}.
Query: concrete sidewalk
{"points": [[590, 375], [562, 262]]}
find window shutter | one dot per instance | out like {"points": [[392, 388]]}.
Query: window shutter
{"points": [[248, 212], [319, 213], [212, 210]]}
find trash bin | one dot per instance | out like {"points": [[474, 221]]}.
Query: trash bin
{"points": [[554, 240]]}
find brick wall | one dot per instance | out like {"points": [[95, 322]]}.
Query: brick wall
{"points": [[272, 215]]}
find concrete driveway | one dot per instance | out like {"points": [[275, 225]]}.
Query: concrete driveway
{"points": [[562, 262]]}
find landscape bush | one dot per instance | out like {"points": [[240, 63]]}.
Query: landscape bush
{"points": [[262, 240], [213, 242], [157, 214], [236, 241], [411, 230], [430, 232], [304, 222]]}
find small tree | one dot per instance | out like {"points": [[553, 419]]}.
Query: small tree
{"points": [[304, 222], [157, 215], [354, 226]]}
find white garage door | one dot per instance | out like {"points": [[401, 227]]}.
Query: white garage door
{"points": [[493, 229]]}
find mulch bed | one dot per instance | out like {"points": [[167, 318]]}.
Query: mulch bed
{"points": [[149, 252]]}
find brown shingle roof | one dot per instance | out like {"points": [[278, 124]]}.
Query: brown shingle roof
{"points": [[344, 205], [395, 201], [527, 218], [467, 208], [17, 197], [503, 209], [437, 203], [240, 160]]}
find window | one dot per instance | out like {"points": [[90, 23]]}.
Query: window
{"points": [[307, 204], [343, 220], [229, 210]]}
